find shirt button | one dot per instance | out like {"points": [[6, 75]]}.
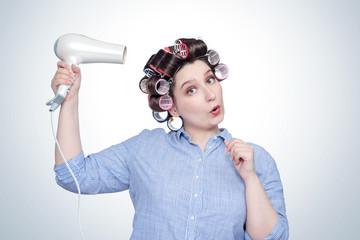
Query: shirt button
{"points": [[192, 217], [197, 177], [196, 195], [215, 137], [199, 160]]}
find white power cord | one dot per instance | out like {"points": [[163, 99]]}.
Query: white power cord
{"points": [[72, 174]]}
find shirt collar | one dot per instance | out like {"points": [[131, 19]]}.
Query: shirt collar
{"points": [[180, 132], [224, 134]]}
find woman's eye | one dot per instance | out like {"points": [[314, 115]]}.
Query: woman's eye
{"points": [[210, 80], [191, 91]]}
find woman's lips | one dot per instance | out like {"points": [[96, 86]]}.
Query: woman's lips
{"points": [[216, 110]]}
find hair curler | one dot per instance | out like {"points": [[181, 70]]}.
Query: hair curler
{"points": [[161, 116], [213, 57], [142, 85], [221, 71], [76, 49], [175, 123]]}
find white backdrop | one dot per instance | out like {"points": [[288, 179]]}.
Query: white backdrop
{"points": [[294, 89]]}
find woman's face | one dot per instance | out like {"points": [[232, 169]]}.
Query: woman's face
{"points": [[198, 97]]}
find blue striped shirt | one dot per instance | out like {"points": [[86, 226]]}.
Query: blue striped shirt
{"points": [[178, 191]]}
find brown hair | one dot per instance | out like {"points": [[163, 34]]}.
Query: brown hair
{"points": [[165, 64]]}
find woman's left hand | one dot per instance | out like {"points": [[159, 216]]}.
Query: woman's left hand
{"points": [[243, 156]]}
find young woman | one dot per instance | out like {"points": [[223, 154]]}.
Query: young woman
{"points": [[196, 182]]}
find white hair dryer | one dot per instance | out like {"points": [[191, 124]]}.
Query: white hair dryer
{"points": [[75, 49]]}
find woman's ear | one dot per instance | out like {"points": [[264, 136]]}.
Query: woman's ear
{"points": [[173, 111]]}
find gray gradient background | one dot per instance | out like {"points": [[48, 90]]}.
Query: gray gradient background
{"points": [[294, 89]]}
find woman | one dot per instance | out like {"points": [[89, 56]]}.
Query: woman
{"points": [[193, 183]]}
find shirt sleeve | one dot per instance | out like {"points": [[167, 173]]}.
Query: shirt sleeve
{"points": [[270, 178], [103, 172]]}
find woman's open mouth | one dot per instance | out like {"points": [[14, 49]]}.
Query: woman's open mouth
{"points": [[216, 110]]}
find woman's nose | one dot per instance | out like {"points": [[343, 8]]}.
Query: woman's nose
{"points": [[210, 95]]}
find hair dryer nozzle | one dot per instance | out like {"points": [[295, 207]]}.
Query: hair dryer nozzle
{"points": [[76, 49]]}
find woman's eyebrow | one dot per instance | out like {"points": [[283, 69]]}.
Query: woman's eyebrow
{"points": [[194, 79], [207, 72], [191, 80]]}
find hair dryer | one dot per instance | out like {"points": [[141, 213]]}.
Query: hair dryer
{"points": [[77, 49]]}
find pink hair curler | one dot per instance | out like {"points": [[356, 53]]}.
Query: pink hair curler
{"points": [[165, 102], [221, 71]]}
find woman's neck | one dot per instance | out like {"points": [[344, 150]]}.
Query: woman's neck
{"points": [[201, 136]]}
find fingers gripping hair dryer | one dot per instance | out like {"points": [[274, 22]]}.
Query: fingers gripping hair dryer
{"points": [[76, 49]]}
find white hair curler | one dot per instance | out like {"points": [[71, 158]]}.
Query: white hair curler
{"points": [[142, 85], [175, 123], [213, 57], [162, 86], [161, 116], [76, 49]]}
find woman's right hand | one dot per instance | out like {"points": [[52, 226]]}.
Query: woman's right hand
{"points": [[64, 76]]}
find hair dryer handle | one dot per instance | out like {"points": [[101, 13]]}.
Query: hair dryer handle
{"points": [[61, 93], [59, 97]]}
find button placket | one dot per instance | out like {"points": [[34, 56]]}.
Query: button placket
{"points": [[195, 200], [195, 204]]}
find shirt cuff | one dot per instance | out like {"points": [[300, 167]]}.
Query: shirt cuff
{"points": [[277, 232], [75, 164]]}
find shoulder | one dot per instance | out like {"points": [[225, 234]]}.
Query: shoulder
{"points": [[259, 150], [147, 136], [261, 154], [156, 132], [264, 162]]}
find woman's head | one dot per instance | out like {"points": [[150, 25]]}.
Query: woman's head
{"points": [[197, 97], [168, 71]]}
